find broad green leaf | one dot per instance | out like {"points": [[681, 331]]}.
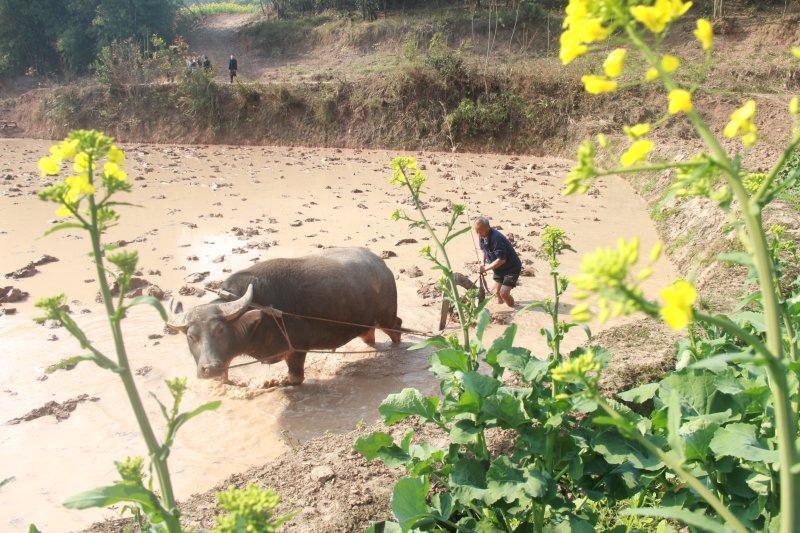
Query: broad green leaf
{"points": [[682, 515], [617, 449], [569, 523], [408, 402], [118, 493], [757, 321], [151, 301], [482, 385], [483, 321], [503, 342], [506, 481], [723, 360], [514, 359], [408, 501], [443, 505], [698, 432], [698, 390], [506, 409], [759, 483], [368, 445], [465, 432], [452, 359], [535, 370], [468, 479], [384, 527], [438, 342], [739, 440], [33, 529], [405, 442], [640, 394]]}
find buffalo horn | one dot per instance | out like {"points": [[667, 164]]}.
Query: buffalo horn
{"points": [[231, 310], [176, 318]]}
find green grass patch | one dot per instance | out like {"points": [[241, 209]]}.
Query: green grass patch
{"points": [[213, 8]]}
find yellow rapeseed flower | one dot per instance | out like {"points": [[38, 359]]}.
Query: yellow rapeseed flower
{"points": [[796, 51], [678, 300], [614, 61], [655, 251], [741, 123], [580, 28], [794, 105], [637, 152], [598, 84], [704, 34], [657, 16], [115, 155], [576, 368], [634, 132], [48, 166], [81, 163], [670, 63], [651, 74], [680, 101], [78, 186], [112, 171]]}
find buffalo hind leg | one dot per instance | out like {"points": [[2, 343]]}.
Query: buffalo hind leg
{"points": [[394, 333], [369, 337]]}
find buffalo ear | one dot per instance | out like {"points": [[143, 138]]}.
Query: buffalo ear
{"points": [[246, 322]]}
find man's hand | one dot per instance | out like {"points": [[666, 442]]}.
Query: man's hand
{"points": [[483, 269]]}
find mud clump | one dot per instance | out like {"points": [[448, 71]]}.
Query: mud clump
{"points": [[61, 411], [11, 294]]}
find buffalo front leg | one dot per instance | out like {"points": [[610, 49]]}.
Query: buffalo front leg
{"points": [[369, 337], [296, 361]]}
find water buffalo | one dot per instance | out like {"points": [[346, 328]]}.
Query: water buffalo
{"points": [[343, 284]]}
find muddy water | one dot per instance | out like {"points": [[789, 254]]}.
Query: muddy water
{"points": [[286, 202]]}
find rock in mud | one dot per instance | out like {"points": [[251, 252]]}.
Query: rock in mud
{"points": [[196, 277], [191, 291], [45, 259], [414, 272], [386, 254], [61, 411], [405, 241], [8, 311], [322, 474], [11, 294], [24, 272]]}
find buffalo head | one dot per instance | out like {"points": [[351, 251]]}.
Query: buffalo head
{"points": [[216, 332]]}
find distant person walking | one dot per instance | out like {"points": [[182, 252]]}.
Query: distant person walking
{"points": [[233, 66], [499, 257], [206, 63]]}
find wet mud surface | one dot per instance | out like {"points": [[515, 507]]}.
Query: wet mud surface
{"points": [[205, 212]]}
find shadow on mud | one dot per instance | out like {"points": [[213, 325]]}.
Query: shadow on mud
{"points": [[353, 392]]}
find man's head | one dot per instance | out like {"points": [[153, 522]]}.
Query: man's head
{"points": [[481, 226], [231, 56]]}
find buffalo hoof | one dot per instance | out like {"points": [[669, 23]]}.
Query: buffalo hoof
{"points": [[272, 384]]}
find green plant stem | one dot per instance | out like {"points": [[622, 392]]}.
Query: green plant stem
{"points": [[647, 168], [677, 467], [451, 279], [751, 213], [758, 197], [159, 463]]}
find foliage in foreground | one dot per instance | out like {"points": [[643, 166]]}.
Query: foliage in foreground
{"points": [[87, 200], [712, 445]]}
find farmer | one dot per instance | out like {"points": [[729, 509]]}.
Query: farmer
{"points": [[499, 257], [233, 66]]}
